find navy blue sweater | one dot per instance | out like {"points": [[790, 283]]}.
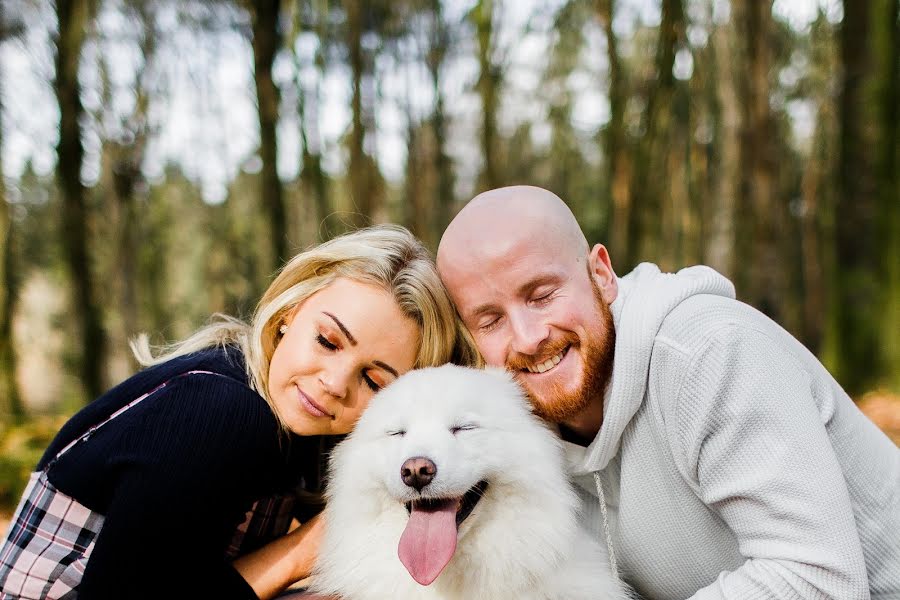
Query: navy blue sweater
{"points": [[174, 475]]}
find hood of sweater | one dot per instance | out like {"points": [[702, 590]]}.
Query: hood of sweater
{"points": [[646, 297]]}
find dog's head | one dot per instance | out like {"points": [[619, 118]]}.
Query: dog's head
{"points": [[439, 440]]}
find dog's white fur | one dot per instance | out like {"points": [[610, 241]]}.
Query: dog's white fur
{"points": [[520, 541]]}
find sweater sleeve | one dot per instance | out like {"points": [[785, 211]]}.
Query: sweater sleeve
{"points": [[751, 441], [188, 465]]}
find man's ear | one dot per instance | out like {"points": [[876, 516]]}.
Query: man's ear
{"points": [[602, 272]]}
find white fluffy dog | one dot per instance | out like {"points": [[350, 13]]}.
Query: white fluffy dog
{"points": [[449, 487]]}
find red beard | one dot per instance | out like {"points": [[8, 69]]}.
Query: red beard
{"points": [[597, 350]]}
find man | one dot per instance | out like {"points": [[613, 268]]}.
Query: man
{"points": [[714, 454]]}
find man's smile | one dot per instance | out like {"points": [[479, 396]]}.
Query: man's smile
{"points": [[548, 364]]}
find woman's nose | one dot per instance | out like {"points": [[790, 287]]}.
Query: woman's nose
{"points": [[335, 382]]}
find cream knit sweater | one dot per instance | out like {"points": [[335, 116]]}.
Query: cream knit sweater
{"points": [[733, 464]]}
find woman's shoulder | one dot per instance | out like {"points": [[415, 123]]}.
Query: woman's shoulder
{"points": [[213, 390], [210, 383], [222, 360]]}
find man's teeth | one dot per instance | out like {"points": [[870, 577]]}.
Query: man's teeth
{"points": [[547, 364]]}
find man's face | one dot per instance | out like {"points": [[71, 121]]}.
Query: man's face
{"points": [[535, 308]]}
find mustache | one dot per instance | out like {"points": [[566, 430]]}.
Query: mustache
{"points": [[520, 362]]}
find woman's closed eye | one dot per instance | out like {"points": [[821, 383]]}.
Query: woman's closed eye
{"points": [[326, 343], [374, 385]]}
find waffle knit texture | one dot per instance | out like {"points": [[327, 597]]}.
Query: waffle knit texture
{"points": [[733, 465]]}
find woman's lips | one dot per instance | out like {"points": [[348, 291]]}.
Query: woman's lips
{"points": [[310, 406]]}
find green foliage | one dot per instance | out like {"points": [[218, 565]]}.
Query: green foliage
{"points": [[21, 446]]}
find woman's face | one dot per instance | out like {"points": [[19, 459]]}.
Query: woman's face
{"points": [[342, 344]]}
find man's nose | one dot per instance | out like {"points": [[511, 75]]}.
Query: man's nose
{"points": [[528, 334]]}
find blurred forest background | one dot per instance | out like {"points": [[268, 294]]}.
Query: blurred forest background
{"points": [[161, 158]]}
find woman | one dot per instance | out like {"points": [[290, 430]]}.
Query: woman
{"points": [[182, 480]]}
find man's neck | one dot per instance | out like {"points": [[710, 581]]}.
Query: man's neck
{"points": [[583, 427]]}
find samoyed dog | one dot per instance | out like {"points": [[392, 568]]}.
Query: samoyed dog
{"points": [[450, 488]]}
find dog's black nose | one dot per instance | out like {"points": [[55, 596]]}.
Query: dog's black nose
{"points": [[418, 472]]}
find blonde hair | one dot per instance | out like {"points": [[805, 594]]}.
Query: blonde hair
{"points": [[388, 256]]}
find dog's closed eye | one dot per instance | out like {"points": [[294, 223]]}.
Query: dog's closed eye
{"points": [[395, 432], [463, 427]]}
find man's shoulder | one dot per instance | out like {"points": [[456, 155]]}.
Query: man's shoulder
{"points": [[692, 327], [696, 318]]}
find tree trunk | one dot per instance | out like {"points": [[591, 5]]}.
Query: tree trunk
{"points": [[488, 91], [618, 160], [311, 173], [856, 338], [443, 203], [124, 165], [73, 18], [813, 187], [313, 181], [362, 181], [720, 254], [887, 39], [654, 150], [766, 287], [266, 41], [9, 388]]}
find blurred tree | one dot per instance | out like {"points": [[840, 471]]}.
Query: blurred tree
{"points": [[73, 19], [726, 167], [428, 191], [567, 169], [886, 40], [9, 275], [9, 388], [853, 334], [362, 37], [817, 185], [653, 164], [490, 80], [190, 262], [311, 19], [122, 180], [440, 39], [266, 41], [616, 148], [762, 214], [419, 180]]}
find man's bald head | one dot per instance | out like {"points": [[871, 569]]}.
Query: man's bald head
{"points": [[535, 298], [499, 219]]}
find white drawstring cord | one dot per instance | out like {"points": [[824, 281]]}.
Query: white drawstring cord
{"points": [[609, 544]]}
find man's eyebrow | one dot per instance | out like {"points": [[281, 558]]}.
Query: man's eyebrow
{"points": [[525, 289], [480, 310], [386, 367], [341, 327]]}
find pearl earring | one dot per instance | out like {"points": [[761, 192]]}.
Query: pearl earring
{"points": [[283, 329]]}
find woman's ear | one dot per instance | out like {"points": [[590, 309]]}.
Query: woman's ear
{"points": [[603, 274]]}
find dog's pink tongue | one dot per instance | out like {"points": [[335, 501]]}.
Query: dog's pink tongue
{"points": [[428, 542]]}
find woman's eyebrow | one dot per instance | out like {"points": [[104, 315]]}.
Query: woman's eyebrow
{"points": [[341, 327], [386, 367]]}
